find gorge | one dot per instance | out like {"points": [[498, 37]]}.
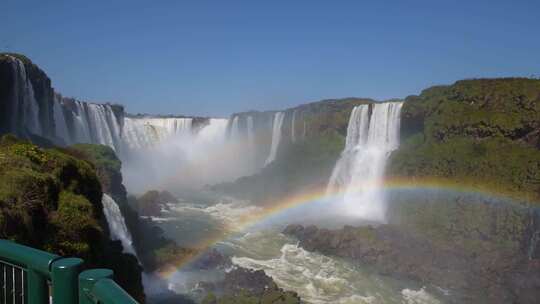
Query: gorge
{"points": [[430, 199]]}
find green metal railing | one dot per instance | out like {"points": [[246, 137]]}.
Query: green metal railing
{"points": [[31, 276]]}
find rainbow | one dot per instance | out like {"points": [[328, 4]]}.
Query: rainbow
{"points": [[320, 195]]}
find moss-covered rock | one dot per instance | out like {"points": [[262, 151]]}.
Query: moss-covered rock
{"points": [[51, 199], [481, 133]]}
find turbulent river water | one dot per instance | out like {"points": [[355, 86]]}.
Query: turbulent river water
{"points": [[315, 277]]}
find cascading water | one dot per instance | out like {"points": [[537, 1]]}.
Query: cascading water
{"points": [[250, 131], [358, 174], [61, 128], [81, 125], [117, 224], [146, 132], [293, 122], [25, 106], [235, 128], [276, 137], [82, 122]]}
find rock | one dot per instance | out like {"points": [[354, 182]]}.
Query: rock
{"points": [[152, 202], [240, 284], [495, 275]]}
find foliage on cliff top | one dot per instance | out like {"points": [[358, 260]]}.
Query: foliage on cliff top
{"points": [[51, 199], [42, 191], [483, 132], [99, 155]]}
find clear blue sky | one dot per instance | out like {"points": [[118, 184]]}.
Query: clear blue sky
{"points": [[218, 57]]}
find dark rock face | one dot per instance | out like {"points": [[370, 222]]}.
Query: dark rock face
{"points": [[242, 285], [212, 259], [152, 202], [14, 94], [494, 276]]}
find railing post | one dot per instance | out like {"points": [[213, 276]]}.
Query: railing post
{"points": [[65, 283], [38, 292], [87, 280]]}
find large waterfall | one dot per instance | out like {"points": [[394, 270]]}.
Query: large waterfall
{"points": [[24, 106], [117, 224], [276, 136], [372, 134], [293, 127], [81, 122], [148, 131]]}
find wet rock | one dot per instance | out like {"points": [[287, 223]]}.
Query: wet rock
{"points": [[494, 275]]}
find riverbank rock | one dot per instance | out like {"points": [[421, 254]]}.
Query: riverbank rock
{"points": [[492, 276]]}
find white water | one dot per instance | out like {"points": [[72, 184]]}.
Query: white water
{"points": [[117, 225], [184, 160], [145, 132], [293, 122], [235, 129], [358, 174], [60, 124], [25, 102], [250, 132], [91, 123], [276, 137], [318, 278]]}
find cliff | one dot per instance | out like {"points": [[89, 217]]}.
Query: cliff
{"points": [[51, 199], [482, 133], [21, 82], [153, 249], [31, 109]]}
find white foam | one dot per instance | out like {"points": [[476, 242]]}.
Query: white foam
{"points": [[315, 277], [420, 296]]}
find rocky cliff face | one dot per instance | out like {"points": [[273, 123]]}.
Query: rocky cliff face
{"points": [[27, 96]]}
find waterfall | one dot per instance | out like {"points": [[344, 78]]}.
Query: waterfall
{"points": [[81, 127], [214, 132], [25, 106], [293, 122], [117, 224], [235, 129], [358, 175], [61, 128], [250, 131], [98, 123], [276, 137], [147, 131]]}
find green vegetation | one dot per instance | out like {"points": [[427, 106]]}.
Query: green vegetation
{"points": [[153, 248], [50, 199], [479, 133], [33, 189]]}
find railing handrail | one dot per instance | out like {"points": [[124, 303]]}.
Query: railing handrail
{"points": [[27, 257], [68, 284]]}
